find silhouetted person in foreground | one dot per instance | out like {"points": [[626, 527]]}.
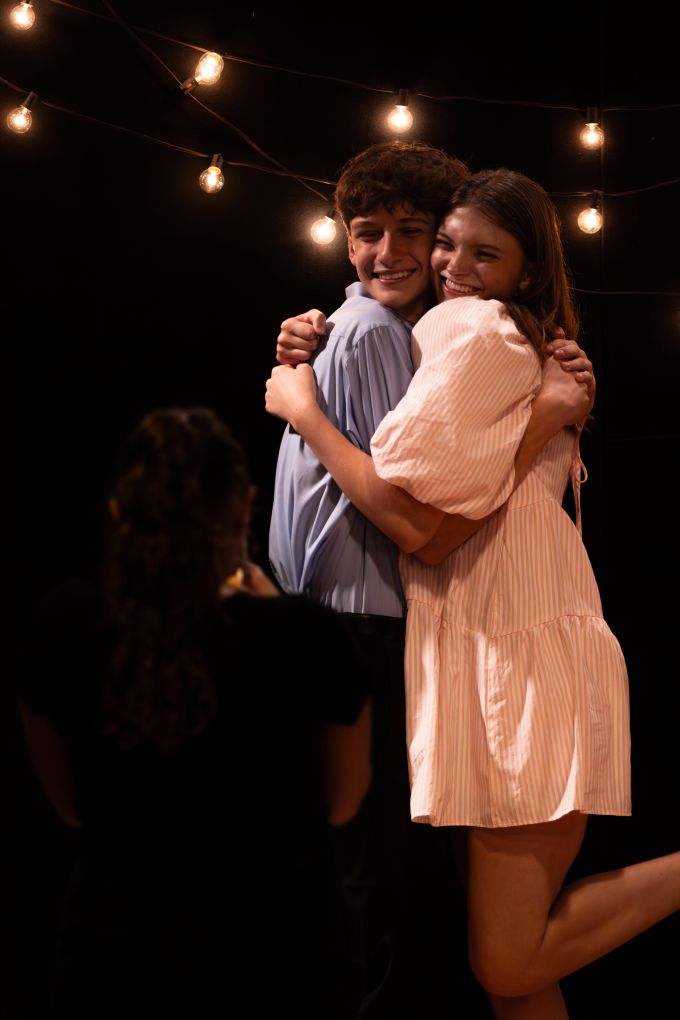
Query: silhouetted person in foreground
{"points": [[192, 725]]}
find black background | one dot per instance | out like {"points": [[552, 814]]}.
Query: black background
{"points": [[127, 288]]}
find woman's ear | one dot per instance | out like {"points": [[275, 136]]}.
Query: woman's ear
{"points": [[526, 280]]}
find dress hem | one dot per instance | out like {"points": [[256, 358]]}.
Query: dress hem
{"points": [[427, 819]]}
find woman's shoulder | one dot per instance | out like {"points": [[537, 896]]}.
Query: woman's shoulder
{"points": [[63, 644], [473, 312], [465, 328]]}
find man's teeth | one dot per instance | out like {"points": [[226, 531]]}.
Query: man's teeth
{"points": [[459, 287], [394, 276]]}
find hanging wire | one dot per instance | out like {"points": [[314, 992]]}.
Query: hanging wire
{"points": [[160, 141], [213, 113], [348, 81], [284, 171]]}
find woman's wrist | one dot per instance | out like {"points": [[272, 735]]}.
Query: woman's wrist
{"points": [[303, 416]]}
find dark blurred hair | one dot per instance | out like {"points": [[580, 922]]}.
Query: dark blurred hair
{"points": [[521, 206], [177, 502], [396, 173]]}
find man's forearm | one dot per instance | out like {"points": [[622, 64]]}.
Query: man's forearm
{"points": [[539, 432]]}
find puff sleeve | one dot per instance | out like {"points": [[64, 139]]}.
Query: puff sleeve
{"points": [[452, 439]]}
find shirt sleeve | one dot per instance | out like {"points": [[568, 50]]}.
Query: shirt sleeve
{"points": [[378, 370], [452, 440]]}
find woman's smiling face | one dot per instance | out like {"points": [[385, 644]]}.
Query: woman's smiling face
{"points": [[473, 257]]}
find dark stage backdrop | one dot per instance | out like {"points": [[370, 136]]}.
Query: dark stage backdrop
{"points": [[127, 288]]}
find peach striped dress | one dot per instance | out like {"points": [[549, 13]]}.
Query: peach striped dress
{"points": [[517, 696]]}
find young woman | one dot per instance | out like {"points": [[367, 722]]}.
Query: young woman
{"points": [[172, 719], [517, 710]]}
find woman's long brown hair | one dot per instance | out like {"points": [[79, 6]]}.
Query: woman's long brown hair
{"points": [[521, 206], [177, 502]]}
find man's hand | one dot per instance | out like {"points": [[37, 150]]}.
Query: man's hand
{"points": [[561, 400], [299, 337], [576, 362]]}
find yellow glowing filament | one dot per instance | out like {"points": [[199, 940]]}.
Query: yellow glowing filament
{"points": [[592, 136], [590, 221], [22, 16], [19, 120], [208, 69], [212, 180], [323, 231], [400, 119]]}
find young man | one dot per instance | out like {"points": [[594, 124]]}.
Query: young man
{"points": [[391, 198]]}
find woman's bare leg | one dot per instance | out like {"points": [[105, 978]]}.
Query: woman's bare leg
{"points": [[523, 936], [545, 1005]]}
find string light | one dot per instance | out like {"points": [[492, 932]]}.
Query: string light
{"points": [[212, 179], [22, 16], [592, 135], [19, 120], [323, 230], [364, 86], [590, 220], [209, 68], [401, 118], [208, 71]]}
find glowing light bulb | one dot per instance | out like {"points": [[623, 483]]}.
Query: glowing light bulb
{"points": [[22, 16], [19, 120], [208, 69], [323, 231], [212, 179], [401, 118], [590, 220], [592, 135]]}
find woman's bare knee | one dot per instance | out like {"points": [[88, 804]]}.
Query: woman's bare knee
{"points": [[515, 875], [498, 971]]}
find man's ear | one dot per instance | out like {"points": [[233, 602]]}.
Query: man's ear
{"points": [[350, 249]]}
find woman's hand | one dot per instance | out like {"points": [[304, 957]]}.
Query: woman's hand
{"points": [[290, 391], [256, 582], [250, 578]]}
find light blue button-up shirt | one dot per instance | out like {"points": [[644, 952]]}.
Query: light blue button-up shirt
{"points": [[319, 544]]}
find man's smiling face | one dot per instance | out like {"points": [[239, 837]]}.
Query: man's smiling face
{"points": [[391, 253]]}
